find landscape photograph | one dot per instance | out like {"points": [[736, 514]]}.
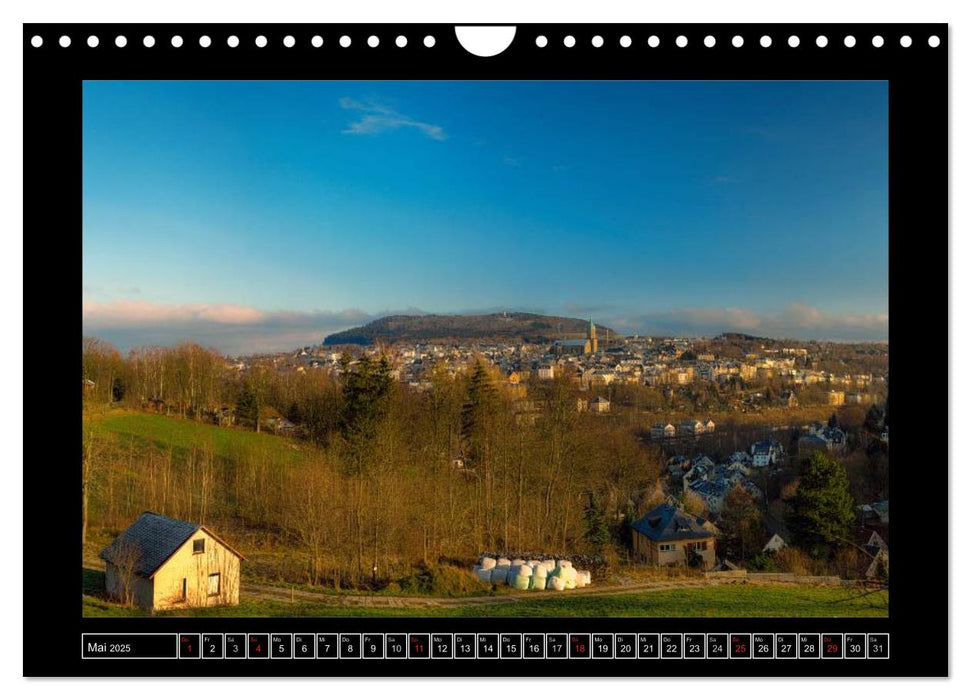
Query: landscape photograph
{"points": [[485, 349]]}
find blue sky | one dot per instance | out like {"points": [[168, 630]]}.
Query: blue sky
{"points": [[264, 215]]}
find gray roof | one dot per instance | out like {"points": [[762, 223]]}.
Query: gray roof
{"points": [[667, 522], [573, 342], [151, 540]]}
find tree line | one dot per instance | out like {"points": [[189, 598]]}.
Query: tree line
{"points": [[386, 478]]}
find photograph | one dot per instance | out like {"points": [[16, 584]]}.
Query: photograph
{"points": [[485, 348]]}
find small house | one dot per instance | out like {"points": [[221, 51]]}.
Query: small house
{"points": [[668, 536], [160, 563]]}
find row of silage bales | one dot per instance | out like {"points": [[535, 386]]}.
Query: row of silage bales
{"points": [[548, 574]]}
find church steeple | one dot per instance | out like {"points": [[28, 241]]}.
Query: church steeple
{"points": [[592, 337]]}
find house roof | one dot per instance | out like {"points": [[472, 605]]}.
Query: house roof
{"points": [[151, 541], [667, 522]]}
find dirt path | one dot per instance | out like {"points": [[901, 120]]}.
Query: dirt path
{"points": [[278, 593]]}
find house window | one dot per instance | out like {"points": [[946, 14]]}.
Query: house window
{"points": [[198, 546], [666, 547], [213, 584]]}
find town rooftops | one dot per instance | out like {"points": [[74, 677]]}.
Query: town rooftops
{"points": [[667, 522], [150, 541]]}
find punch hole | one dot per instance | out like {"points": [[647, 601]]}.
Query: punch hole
{"points": [[906, 41], [93, 41], [681, 41], [878, 41], [36, 41], [204, 41], [429, 41], [626, 41], [121, 41], [653, 41], [597, 41], [401, 41], [709, 41], [821, 41], [261, 41], [569, 41], [317, 41], [289, 41], [765, 41], [541, 41], [849, 42], [373, 41], [934, 41], [176, 41], [793, 41], [345, 41], [737, 41], [64, 41], [485, 41], [233, 41], [149, 41]]}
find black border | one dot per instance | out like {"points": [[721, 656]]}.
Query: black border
{"points": [[918, 196]]}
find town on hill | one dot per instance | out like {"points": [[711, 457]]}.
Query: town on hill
{"points": [[393, 465]]}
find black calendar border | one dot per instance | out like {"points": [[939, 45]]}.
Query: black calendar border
{"points": [[918, 188]]}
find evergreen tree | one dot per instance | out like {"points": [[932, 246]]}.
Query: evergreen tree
{"points": [[595, 524], [248, 406], [822, 508], [479, 406], [367, 399]]}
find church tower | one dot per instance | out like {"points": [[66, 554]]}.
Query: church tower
{"points": [[592, 337]]}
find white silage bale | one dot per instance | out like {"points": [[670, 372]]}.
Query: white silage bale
{"points": [[540, 570], [523, 570], [549, 564], [537, 583], [502, 561], [511, 575], [585, 575], [521, 582], [579, 583], [518, 562], [570, 583], [568, 573], [533, 563], [499, 574], [557, 584], [487, 563], [564, 563], [484, 575]]}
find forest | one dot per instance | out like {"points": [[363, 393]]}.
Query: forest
{"points": [[381, 479]]}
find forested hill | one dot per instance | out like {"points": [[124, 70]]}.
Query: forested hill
{"points": [[501, 327]]}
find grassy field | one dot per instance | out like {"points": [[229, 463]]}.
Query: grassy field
{"points": [[150, 429], [728, 600]]}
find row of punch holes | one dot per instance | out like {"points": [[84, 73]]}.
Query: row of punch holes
{"points": [[569, 41]]}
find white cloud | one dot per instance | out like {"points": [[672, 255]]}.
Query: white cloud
{"points": [[376, 118], [230, 328]]}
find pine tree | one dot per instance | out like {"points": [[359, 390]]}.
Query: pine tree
{"points": [[595, 524], [822, 509], [479, 405]]}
